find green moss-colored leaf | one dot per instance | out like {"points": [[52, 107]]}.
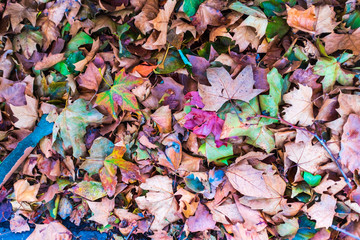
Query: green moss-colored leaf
{"points": [[354, 20], [277, 26], [331, 70], [90, 190], [214, 153], [191, 6], [272, 7], [312, 180], [270, 103], [306, 229], [80, 39], [70, 127], [172, 62]]}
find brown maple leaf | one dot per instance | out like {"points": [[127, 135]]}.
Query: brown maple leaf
{"points": [[223, 88]]}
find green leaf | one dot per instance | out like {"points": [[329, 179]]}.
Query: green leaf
{"points": [[354, 20], [70, 127], [121, 29], [67, 66], [306, 229], [90, 190], [332, 72], [277, 26], [80, 39], [312, 180], [214, 153], [242, 8], [270, 103], [172, 62], [120, 95], [247, 124], [191, 6], [272, 7]]}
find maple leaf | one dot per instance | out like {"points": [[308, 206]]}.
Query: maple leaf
{"points": [[301, 109], [159, 201], [17, 13], [224, 88], [129, 170], [52, 230], [119, 95], [334, 42], [70, 127], [90, 190], [101, 210], [27, 114], [269, 186], [325, 22], [349, 154], [252, 29], [303, 20], [24, 192], [307, 156], [243, 124], [331, 70], [202, 220], [323, 212]]}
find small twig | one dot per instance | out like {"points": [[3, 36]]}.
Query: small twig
{"points": [[132, 229], [322, 142], [344, 232]]}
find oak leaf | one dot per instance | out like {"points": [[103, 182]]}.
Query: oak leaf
{"points": [[301, 109], [224, 88]]}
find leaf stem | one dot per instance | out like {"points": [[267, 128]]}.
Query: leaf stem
{"points": [[321, 141], [104, 78]]}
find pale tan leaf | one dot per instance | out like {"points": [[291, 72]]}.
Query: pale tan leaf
{"points": [[323, 212], [224, 88], [26, 115], [159, 201], [334, 42], [101, 210], [308, 157], [49, 61], [24, 192], [301, 109]]}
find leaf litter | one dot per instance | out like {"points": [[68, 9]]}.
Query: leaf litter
{"points": [[187, 119]]}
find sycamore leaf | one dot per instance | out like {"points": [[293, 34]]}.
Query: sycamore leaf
{"points": [[350, 141], [70, 127], [159, 201], [224, 88], [101, 210], [332, 72], [119, 95], [307, 156], [202, 220], [334, 42], [301, 109], [323, 212], [49, 61]]}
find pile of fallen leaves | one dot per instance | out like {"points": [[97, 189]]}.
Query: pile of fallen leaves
{"points": [[189, 119]]}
